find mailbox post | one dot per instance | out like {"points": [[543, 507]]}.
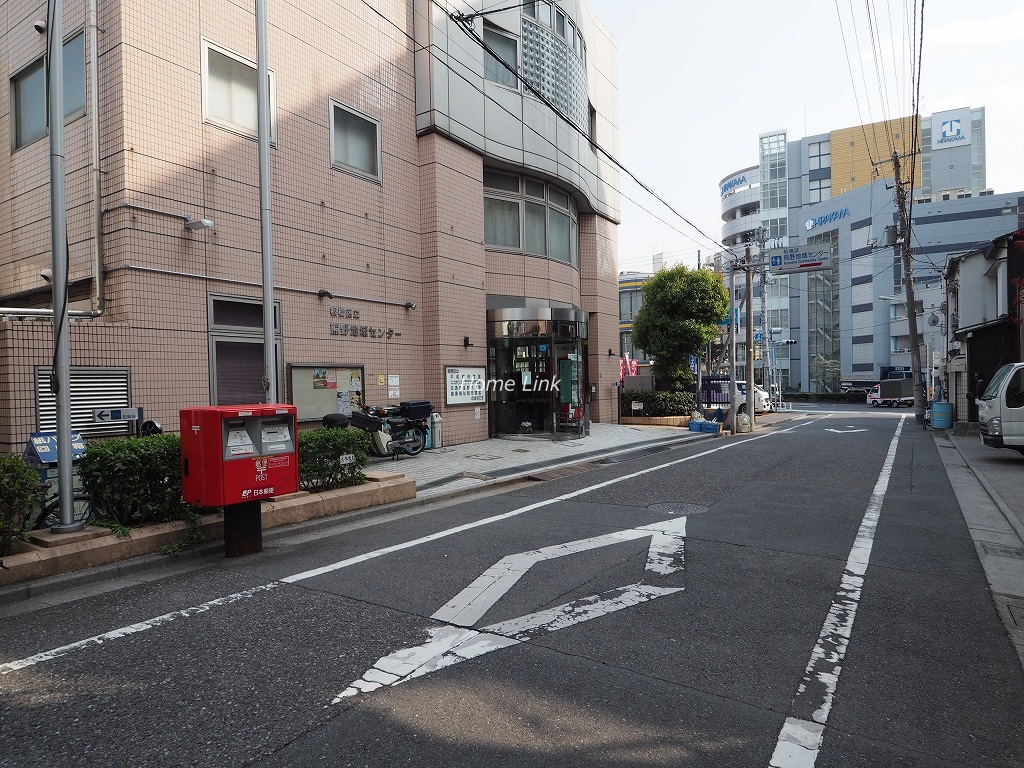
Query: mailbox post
{"points": [[234, 457]]}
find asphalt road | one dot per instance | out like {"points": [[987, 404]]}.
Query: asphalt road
{"points": [[808, 595]]}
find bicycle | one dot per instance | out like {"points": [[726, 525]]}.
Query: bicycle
{"points": [[48, 514]]}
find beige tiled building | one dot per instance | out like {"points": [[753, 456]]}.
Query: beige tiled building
{"points": [[434, 220]]}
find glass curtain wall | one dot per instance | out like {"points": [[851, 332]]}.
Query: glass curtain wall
{"points": [[823, 357]]}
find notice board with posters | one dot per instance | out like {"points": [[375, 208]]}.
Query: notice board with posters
{"points": [[317, 390]]}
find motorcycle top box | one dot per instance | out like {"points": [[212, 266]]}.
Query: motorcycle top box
{"points": [[415, 409]]}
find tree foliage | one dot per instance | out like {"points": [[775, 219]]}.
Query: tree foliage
{"points": [[678, 318]]}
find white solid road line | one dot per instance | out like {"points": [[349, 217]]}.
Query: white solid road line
{"points": [[800, 739], [142, 626]]}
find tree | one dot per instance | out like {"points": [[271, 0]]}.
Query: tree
{"points": [[825, 372], [678, 318]]}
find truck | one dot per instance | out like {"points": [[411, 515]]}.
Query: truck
{"points": [[892, 393], [1001, 409]]}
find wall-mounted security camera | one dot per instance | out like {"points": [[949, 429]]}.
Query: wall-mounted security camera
{"points": [[46, 274], [39, 25]]}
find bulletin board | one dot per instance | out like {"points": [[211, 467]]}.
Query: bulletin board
{"points": [[317, 390]]}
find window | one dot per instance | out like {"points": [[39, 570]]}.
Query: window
{"points": [[229, 93], [501, 223], [559, 23], [505, 52], [236, 349], [819, 155], [29, 96], [355, 142], [819, 191], [541, 221]]}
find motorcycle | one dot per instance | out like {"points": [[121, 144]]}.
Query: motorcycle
{"points": [[394, 429]]}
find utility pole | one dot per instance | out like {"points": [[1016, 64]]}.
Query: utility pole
{"points": [[733, 322], [750, 335], [903, 248]]}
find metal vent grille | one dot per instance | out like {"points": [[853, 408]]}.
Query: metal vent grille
{"points": [[91, 388]]}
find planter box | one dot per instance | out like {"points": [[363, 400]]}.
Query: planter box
{"points": [[656, 421], [50, 554]]}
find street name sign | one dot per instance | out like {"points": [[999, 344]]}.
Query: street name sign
{"points": [[800, 258]]}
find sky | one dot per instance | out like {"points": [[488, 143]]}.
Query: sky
{"points": [[699, 81]]}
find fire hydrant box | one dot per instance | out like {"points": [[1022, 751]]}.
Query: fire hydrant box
{"points": [[238, 453]]}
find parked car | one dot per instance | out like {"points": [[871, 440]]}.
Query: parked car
{"points": [[874, 396], [762, 402]]}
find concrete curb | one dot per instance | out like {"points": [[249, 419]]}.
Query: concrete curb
{"points": [[1011, 517], [290, 525]]}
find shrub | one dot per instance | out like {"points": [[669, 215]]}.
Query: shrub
{"points": [[135, 481], [658, 403], [320, 458], [19, 485]]}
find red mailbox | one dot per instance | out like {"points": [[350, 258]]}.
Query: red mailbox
{"points": [[238, 453]]}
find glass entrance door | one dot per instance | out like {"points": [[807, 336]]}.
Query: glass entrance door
{"points": [[536, 371]]}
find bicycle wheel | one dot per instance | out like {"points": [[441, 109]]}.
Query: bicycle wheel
{"points": [[81, 512]]}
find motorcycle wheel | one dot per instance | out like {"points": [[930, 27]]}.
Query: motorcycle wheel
{"points": [[418, 444]]}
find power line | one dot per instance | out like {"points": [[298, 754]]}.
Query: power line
{"points": [[471, 32]]}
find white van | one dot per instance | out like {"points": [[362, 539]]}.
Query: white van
{"points": [[1001, 409], [762, 402]]}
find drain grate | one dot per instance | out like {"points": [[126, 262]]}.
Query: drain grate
{"points": [[678, 508], [1016, 614], [1000, 550], [555, 474]]}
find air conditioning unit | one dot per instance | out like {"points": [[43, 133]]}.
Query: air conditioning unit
{"points": [[986, 192]]}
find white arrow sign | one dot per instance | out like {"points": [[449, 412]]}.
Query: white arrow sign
{"points": [[846, 431], [456, 641]]}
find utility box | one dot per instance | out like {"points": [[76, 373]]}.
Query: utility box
{"points": [[238, 453]]}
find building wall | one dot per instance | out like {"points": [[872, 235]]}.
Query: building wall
{"points": [[414, 237], [856, 150]]}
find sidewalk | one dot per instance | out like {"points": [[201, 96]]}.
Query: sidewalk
{"points": [[987, 484], [451, 470]]}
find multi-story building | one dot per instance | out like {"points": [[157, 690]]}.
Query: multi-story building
{"points": [[437, 222], [835, 189]]}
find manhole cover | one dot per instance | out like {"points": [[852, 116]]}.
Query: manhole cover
{"points": [[483, 456], [678, 508]]}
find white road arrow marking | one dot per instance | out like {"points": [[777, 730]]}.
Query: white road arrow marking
{"points": [[457, 641]]}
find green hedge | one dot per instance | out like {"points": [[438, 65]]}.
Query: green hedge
{"points": [[320, 458], [135, 481], [19, 485], [657, 403]]}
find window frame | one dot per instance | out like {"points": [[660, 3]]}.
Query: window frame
{"points": [[351, 169], [242, 334], [227, 125], [40, 63], [489, 29], [522, 198]]}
